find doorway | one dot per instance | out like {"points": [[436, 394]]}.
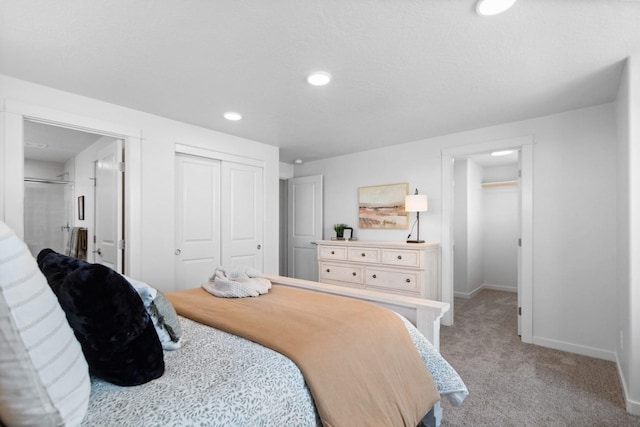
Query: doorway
{"points": [[12, 186], [304, 225], [53, 179], [73, 193], [486, 223], [524, 145]]}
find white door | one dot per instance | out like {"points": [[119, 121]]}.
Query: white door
{"points": [[304, 226], [519, 243], [109, 249], [197, 228], [242, 215]]}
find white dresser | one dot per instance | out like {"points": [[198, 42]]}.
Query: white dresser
{"points": [[394, 267]]}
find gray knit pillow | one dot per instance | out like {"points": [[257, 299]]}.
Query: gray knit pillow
{"points": [[166, 321]]}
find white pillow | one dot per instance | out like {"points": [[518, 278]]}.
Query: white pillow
{"points": [[44, 377]]}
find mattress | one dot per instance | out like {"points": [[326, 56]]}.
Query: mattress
{"points": [[219, 379]]}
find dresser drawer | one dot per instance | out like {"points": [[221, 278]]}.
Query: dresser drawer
{"points": [[344, 273], [370, 255], [333, 252], [393, 280], [404, 258]]}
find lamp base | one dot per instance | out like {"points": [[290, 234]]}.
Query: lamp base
{"points": [[415, 241]]}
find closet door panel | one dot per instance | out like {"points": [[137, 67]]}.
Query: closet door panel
{"points": [[242, 215], [197, 237]]}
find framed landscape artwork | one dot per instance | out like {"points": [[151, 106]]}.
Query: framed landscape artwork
{"points": [[382, 206]]}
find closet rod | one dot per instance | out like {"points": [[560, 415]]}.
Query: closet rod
{"points": [[499, 184], [46, 181]]}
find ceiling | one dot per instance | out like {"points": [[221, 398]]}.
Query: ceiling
{"points": [[486, 160], [53, 143], [403, 70]]}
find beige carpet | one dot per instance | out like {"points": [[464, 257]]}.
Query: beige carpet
{"points": [[516, 384]]}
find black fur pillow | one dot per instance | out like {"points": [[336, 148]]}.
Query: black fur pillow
{"points": [[108, 317], [55, 267], [116, 334]]}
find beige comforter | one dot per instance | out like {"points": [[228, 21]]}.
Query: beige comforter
{"points": [[357, 358]]}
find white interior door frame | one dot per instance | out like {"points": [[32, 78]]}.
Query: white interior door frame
{"points": [[11, 183], [525, 144]]}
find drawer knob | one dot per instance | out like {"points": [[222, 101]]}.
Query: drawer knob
{"points": [[333, 253], [374, 276], [328, 271], [399, 256], [354, 273], [408, 280], [363, 254]]}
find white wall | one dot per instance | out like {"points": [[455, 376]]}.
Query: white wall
{"points": [[460, 225], [628, 232], [500, 173], [475, 232], [159, 136], [468, 228], [501, 229], [573, 237], [43, 170], [47, 207], [501, 234]]}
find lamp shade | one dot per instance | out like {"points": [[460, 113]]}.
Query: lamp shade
{"points": [[416, 203]]}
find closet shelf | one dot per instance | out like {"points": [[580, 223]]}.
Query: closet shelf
{"points": [[499, 184]]}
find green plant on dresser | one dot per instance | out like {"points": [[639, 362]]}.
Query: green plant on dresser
{"points": [[339, 229]]}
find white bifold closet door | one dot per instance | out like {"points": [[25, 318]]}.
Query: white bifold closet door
{"points": [[219, 217], [197, 219], [242, 215]]}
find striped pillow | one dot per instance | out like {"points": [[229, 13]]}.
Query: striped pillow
{"points": [[44, 378]]}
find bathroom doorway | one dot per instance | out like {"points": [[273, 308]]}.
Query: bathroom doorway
{"points": [[60, 167]]}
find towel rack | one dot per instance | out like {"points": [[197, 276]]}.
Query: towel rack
{"points": [[47, 181]]}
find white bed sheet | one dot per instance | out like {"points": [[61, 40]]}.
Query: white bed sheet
{"points": [[219, 379]]}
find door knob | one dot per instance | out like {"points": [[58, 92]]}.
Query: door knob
{"points": [[98, 251], [178, 252], [259, 247]]}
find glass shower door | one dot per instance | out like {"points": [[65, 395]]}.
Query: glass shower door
{"points": [[47, 215]]}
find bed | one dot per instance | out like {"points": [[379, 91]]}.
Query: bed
{"points": [[214, 379], [267, 388]]}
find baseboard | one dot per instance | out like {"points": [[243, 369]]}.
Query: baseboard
{"points": [[499, 288], [633, 407], [469, 295], [577, 349]]}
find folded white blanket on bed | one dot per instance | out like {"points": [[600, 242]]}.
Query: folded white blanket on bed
{"points": [[237, 282]]}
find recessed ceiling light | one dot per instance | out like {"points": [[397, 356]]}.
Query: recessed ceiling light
{"points": [[298, 161], [319, 78], [493, 7], [232, 116], [502, 153]]}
